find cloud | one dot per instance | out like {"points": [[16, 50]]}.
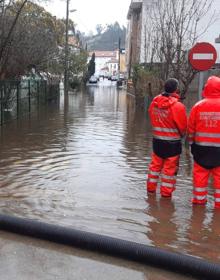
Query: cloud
{"points": [[91, 13]]}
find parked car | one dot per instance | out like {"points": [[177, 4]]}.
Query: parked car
{"points": [[121, 77], [114, 78], [93, 80]]}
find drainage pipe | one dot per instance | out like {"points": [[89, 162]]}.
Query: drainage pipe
{"points": [[141, 253]]}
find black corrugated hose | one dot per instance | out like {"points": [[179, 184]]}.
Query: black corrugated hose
{"points": [[141, 253]]}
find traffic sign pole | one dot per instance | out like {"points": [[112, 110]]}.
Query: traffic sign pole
{"points": [[201, 84]]}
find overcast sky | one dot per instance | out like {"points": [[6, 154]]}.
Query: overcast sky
{"points": [[92, 12]]}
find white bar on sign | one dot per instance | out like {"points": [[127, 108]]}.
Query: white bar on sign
{"points": [[203, 56]]}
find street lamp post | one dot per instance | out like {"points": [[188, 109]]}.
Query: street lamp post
{"points": [[66, 66]]}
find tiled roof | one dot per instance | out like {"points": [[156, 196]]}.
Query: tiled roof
{"points": [[103, 54], [72, 41]]}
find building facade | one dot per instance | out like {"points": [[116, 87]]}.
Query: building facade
{"points": [[139, 42], [133, 38], [102, 59]]}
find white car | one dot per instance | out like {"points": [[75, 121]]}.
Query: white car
{"points": [[114, 78], [93, 80]]}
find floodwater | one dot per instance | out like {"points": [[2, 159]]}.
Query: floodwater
{"points": [[83, 165]]}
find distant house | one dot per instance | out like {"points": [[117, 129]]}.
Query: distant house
{"points": [[73, 42], [113, 66], [102, 58]]}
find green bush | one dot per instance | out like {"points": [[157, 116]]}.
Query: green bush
{"points": [[146, 82], [75, 83]]}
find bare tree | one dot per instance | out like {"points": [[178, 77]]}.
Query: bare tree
{"points": [[176, 26]]}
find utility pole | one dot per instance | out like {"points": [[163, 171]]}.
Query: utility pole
{"points": [[66, 66]]}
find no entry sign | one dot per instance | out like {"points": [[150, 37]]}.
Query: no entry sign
{"points": [[202, 56]]}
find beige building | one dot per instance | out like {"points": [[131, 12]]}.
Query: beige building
{"points": [[123, 68]]}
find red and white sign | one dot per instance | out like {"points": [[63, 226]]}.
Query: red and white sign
{"points": [[202, 56]]}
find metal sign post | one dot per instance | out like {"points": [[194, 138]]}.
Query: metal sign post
{"points": [[201, 84]]}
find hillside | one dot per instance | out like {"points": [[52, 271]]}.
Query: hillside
{"points": [[107, 39]]}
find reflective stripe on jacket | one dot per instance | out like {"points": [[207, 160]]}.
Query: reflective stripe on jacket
{"points": [[168, 118], [204, 125], [204, 120]]}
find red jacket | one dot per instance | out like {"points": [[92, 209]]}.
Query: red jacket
{"points": [[204, 126], [204, 120], [168, 117]]}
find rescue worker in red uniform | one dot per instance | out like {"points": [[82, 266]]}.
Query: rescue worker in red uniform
{"points": [[204, 137], [169, 122]]}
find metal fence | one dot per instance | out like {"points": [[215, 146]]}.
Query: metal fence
{"points": [[18, 98]]}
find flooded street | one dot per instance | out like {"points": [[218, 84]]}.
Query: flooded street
{"points": [[84, 166]]}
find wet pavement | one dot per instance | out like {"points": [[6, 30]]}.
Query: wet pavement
{"points": [[83, 165], [23, 258]]}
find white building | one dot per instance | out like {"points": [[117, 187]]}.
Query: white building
{"points": [[140, 29], [102, 59], [113, 66]]}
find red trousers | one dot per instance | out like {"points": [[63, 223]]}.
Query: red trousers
{"points": [[200, 182], [166, 171]]}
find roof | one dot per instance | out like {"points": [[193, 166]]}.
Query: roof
{"points": [[73, 41], [109, 54]]}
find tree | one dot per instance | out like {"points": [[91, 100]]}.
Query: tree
{"points": [[34, 40], [108, 39], [78, 68], [91, 66], [173, 28], [99, 29], [8, 24], [78, 63]]}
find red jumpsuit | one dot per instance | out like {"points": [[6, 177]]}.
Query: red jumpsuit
{"points": [[169, 122], [204, 137]]}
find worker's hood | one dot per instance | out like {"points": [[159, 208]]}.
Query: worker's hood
{"points": [[163, 102], [212, 87]]}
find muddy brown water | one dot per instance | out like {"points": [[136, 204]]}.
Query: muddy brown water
{"points": [[83, 165]]}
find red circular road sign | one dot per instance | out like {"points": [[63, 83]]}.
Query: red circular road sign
{"points": [[202, 56]]}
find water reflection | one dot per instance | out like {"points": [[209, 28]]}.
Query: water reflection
{"points": [[162, 229], [84, 166], [204, 233]]}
